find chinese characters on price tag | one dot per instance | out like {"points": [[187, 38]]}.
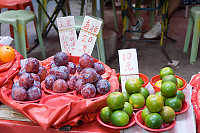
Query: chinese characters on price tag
{"points": [[128, 65], [87, 37], [67, 33]]}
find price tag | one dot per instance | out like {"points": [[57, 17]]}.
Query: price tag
{"points": [[128, 65], [87, 37], [67, 33]]}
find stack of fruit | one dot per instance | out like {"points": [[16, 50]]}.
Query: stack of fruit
{"points": [[135, 92], [28, 86], [161, 107], [167, 74], [169, 85], [85, 78], [118, 112]]}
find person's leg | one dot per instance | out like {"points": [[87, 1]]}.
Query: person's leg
{"points": [[156, 29]]}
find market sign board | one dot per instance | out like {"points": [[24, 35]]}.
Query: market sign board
{"points": [[87, 36], [128, 65], [67, 33]]}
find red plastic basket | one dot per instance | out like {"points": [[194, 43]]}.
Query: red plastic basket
{"points": [[156, 78], [142, 76], [140, 122], [109, 125], [185, 108]]}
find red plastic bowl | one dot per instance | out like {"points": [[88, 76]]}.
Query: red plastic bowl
{"points": [[140, 122], [138, 109], [185, 108], [109, 125], [154, 79], [142, 76]]}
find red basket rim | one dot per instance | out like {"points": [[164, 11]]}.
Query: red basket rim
{"points": [[130, 124], [143, 76], [154, 78], [150, 129]]}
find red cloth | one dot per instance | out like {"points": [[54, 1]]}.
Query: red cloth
{"points": [[10, 126], [195, 99], [10, 69], [61, 109]]}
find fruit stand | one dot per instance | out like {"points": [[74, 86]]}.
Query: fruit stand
{"points": [[83, 94]]}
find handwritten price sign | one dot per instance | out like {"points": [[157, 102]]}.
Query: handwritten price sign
{"points": [[87, 37], [67, 33], [128, 65]]}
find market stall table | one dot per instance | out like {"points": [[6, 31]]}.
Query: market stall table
{"points": [[14, 121]]}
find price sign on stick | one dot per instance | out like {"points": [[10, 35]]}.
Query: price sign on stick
{"points": [[67, 33], [87, 37], [128, 65]]}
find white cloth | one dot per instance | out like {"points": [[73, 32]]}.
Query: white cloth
{"points": [[6, 40]]}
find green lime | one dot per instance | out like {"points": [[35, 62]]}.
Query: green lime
{"points": [[105, 114], [145, 112], [154, 103], [179, 83], [144, 92], [119, 118], [115, 100], [126, 96], [128, 108], [137, 100], [133, 85], [174, 103], [141, 80], [169, 78], [180, 95], [159, 94], [168, 89], [153, 120], [167, 114], [166, 71], [119, 79]]}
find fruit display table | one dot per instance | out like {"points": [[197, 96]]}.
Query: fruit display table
{"points": [[14, 122], [185, 123]]}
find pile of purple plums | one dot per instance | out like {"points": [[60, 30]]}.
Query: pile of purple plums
{"points": [[85, 78], [28, 86]]}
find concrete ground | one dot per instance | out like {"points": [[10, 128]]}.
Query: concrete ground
{"points": [[150, 57]]}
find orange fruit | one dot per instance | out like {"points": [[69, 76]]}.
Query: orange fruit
{"points": [[7, 54], [119, 118], [174, 103], [154, 120], [180, 95], [133, 85], [158, 83], [115, 100], [154, 103], [137, 100], [167, 114], [168, 89], [105, 114], [166, 71], [128, 108], [169, 78], [144, 92], [179, 83], [145, 112]]}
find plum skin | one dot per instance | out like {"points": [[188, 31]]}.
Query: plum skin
{"points": [[34, 93], [60, 86], [103, 86], [88, 91], [26, 80], [49, 80], [19, 93]]}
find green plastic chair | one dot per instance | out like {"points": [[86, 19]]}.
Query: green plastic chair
{"points": [[194, 18], [99, 41], [18, 19]]}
